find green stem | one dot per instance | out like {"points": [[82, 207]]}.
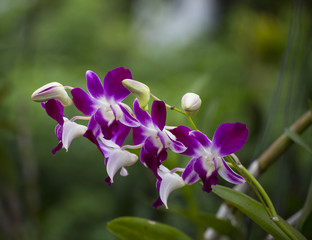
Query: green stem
{"points": [[177, 110], [264, 198]]}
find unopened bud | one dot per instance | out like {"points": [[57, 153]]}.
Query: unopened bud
{"points": [[140, 90], [191, 103], [52, 90]]}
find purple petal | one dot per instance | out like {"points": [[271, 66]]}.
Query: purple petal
{"points": [[229, 138], [55, 110], [120, 136], [113, 87], [202, 138], [94, 85], [94, 126], [158, 114], [138, 135], [157, 203], [142, 116], [229, 175], [200, 166], [189, 175], [182, 135], [107, 130], [83, 101], [57, 148], [59, 131]]}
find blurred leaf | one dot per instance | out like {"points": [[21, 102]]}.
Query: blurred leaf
{"points": [[298, 139], [128, 228], [221, 226], [255, 211], [307, 208]]}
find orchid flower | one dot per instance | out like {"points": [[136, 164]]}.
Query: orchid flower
{"points": [[66, 130], [154, 136], [104, 102], [208, 156]]}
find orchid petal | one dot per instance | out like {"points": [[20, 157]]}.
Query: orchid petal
{"points": [[229, 175], [127, 119], [57, 148], [71, 130], [94, 85], [170, 182], [158, 114], [202, 138], [83, 101], [182, 135], [55, 110], [229, 138], [113, 87], [119, 159], [189, 175], [138, 135], [207, 172], [142, 116]]}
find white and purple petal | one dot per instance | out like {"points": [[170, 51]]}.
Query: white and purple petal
{"points": [[169, 182], [113, 87], [119, 159], [229, 175], [208, 173], [71, 130], [229, 138], [94, 85], [189, 175], [202, 138], [126, 118]]}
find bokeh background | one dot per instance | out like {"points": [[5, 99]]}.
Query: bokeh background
{"points": [[250, 61]]}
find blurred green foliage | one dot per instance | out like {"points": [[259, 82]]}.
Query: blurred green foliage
{"points": [[234, 68]]}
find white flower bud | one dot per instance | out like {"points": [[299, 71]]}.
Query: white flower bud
{"points": [[52, 90], [191, 103], [140, 90]]}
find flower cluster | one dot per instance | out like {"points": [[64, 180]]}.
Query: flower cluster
{"points": [[110, 121]]}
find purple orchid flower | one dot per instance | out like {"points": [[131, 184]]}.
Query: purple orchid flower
{"points": [[66, 130], [104, 102], [208, 156], [154, 136]]}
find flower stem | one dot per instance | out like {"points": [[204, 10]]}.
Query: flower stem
{"points": [[261, 193]]}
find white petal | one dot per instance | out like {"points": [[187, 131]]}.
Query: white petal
{"points": [[170, 182], [123, 172], [118, 159], [229, 175], [71, 130]]}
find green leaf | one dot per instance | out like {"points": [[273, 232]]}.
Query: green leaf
{"points": [[298, 139], [255, 211], [129, 228]]}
